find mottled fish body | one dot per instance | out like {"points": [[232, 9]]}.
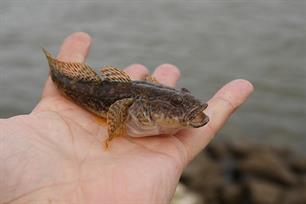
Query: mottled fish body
{"points": [[136, 108]]}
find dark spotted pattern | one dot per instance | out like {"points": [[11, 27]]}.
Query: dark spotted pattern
{"points": [[153, 102]]}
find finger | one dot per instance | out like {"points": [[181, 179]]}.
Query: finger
{"points": [[219, 109], [167, 74], [74, 49], [137, 71]]}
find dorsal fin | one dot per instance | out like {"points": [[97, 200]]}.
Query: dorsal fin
{"points": [[73, 70], [151, 79], [111, 73], [185, 90]]}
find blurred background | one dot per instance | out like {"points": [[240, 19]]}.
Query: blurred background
{"points": [[211, 41]]}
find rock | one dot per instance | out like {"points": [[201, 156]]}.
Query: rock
{"points": [[268, 166], [244, 173], [295, 196], [302, 180], [282, 152], [232, 194], [183, 196], [205, 177], [239, 149], [217, 150], [262, 192], [299, 165]]}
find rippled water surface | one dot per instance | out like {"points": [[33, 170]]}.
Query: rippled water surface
{"points": [[212, 42]]}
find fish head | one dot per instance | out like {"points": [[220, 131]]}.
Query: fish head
{"points": [[172, 109]]}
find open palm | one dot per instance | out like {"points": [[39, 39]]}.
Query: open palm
{"points": [[55, 154]]}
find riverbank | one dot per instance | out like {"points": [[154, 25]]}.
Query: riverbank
{"points": [[241, 172]]}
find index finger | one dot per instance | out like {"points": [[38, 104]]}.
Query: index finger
{"points": [[219, 109]]}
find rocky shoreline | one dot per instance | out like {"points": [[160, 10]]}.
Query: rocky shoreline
{"points": [[246, 173]]}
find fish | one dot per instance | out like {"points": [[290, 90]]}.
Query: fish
{"points": [[136, 108]]}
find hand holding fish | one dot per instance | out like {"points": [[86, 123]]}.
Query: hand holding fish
{"points": [[54, 154]]}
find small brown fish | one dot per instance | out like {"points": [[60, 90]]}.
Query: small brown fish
{"points": [[136, 108]]}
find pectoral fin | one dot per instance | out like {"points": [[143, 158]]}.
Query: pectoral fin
{"points": [[116, 118]]}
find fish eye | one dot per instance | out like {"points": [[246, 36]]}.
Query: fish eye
{"points": [[177, 100]]}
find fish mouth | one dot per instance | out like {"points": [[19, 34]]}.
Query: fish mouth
{"points": [[196, 118]]}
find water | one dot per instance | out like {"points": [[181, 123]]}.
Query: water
{"points": [[212, 42]]}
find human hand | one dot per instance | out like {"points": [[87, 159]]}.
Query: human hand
{"points": [[55, 153]]}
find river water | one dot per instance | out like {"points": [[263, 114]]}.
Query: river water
{"points": [[211, 41]]}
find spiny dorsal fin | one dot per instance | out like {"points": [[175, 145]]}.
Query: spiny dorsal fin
{"points": [[151, 79], [185, 90], [111, 73], [73, 70]]}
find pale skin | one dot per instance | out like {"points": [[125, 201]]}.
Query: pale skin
{"points": [[55, 154]]}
